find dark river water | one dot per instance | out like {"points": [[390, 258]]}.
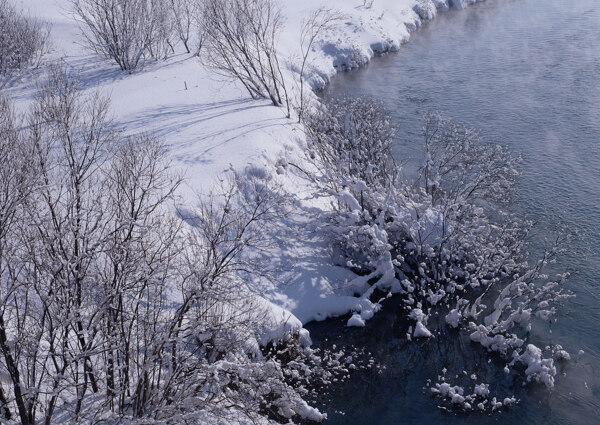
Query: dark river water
{"points": [[527, 73]]}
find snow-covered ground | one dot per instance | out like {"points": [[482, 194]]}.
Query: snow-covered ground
{"points": [[211, 127]]}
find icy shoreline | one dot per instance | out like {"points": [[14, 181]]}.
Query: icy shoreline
{"points": [[369, 32], [346, 55]]}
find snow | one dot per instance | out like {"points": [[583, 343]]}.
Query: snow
{"points": [[538, 368], [211, 128], [453, 318], [482, 390], [420, 330], [454, 393], [277, 322], [356, 320]]}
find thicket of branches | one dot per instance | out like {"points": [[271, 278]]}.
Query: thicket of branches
{"points": [[347, 134], [446, 243], [235, 38], [111, 306], [129, 31], [23, 41], [240, 42]]}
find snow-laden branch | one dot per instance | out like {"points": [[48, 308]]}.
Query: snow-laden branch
{"points": [[446, 243]]}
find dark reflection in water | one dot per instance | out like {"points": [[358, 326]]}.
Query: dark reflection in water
{"points": [[527, 73], [395, 388]]}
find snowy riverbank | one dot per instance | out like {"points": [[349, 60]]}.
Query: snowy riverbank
{"points": [[211, 127]]}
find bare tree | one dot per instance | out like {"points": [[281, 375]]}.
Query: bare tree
{"points": [[74, 139], [96, 246], [241, 42], [16, 184], [113, 307], [162, 44], [126, 31], [186, 16], [140, 248], [318, 22], [23, 41]]}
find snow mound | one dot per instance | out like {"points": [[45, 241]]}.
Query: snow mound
{"points": [[538, 368], [356, 320]]}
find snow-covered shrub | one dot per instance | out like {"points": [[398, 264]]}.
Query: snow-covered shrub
{"points": [[446, 243], [351, 140], [478, 400], [126, 31], [240, 42], [23, 41], [458, 167], [306, 369]]}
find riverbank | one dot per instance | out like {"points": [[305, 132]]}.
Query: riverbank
{"points": [[212, 128]]}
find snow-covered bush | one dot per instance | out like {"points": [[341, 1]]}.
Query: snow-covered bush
{"points": [[240, 42], [477, 400], [126, 31], [351, 140], [446, 243], [23, 41]]}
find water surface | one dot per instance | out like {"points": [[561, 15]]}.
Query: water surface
{"points": [[527, 73]]}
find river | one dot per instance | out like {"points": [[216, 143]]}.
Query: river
{"points": [[527, 73]]}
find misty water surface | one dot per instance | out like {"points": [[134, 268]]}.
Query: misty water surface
{"points": [[527, 73]]}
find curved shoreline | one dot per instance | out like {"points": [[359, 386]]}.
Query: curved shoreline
{"points": [[211, 127], [381, 30], [323, 303]]}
